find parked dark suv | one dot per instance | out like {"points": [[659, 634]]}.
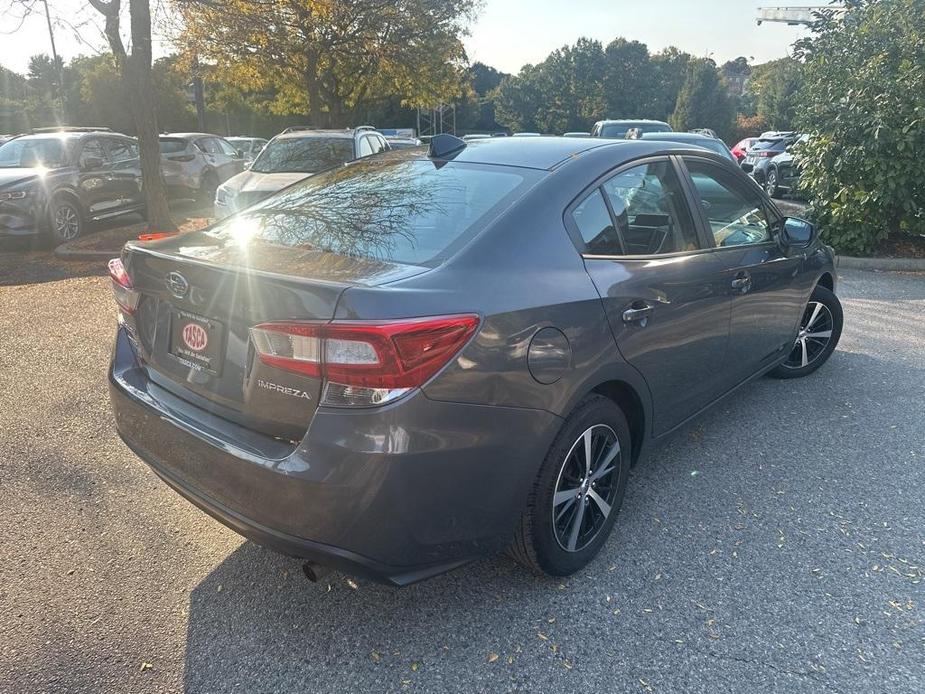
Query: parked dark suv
{"points": [[408, 362], [54, 183]]}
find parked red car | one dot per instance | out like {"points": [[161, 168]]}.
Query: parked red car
{"points": [[740, 149]]}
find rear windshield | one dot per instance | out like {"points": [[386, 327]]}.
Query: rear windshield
{"points": [[395, 209], [28, 152], [619, 130], [304, 155], [172, 145]]}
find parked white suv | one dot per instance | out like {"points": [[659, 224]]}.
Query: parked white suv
{"points": [[291, 156]]}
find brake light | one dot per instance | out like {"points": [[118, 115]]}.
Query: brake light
{"points": [[364, 363], [122, 289]]}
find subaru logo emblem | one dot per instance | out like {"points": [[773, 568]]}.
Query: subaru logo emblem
{"points": [[177, 285]]}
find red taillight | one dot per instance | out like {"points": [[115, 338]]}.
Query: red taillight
{"points": [[122, 289], [364, 362]]}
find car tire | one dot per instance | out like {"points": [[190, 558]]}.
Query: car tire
{"points": [[771, 186], [820, 330], [208, 184], [546, 539], [65, 219]]}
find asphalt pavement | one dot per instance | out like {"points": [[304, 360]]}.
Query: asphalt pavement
{"points": [[777, 544]]}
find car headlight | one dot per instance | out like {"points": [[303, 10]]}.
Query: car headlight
{"points": [[224, 195]]}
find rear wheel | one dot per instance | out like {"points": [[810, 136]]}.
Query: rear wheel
{"points": [[208, 184], [820, 330], [578, 492], [65, 220], [772, 185]]}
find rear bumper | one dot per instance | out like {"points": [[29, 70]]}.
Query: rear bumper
{"points": [[396, 494]]}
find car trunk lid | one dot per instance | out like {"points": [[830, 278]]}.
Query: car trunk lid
{"points": [[198, 301]]}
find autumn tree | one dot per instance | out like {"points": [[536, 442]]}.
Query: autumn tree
{"points": [[327, 57], [138, 87]]}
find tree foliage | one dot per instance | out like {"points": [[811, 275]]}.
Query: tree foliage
{"points": [[704, 100], [863, 105], [580, 84], [330, 57], [774, 92]]}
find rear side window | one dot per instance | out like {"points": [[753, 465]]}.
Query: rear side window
{"points": [[209, 145], [592, 218], [122, 150], [172, 145], [650, 210], [394, 210], [226, 148]]}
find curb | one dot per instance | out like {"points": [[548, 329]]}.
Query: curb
{"points": [[62, 252], [881, 264]]}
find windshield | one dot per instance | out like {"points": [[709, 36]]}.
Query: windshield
{"points": [[304, 155], [397, 210], [619, 130], [28, 152]]}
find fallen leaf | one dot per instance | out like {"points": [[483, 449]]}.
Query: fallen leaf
{"points": [[146, 666], [492, 657], [375, 656], [352, 583], [415, 666]]}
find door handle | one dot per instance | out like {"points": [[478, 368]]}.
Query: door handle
{"points": [[742, 282], [638, 312]]}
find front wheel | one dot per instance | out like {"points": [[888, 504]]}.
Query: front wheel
{"points": [[820, 330], [578, 492], [65, 220]]}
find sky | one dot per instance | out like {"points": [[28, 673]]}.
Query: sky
{"points": [[506, 35]]}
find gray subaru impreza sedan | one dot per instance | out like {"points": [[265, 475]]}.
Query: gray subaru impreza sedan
{"points": [[410, 362]]}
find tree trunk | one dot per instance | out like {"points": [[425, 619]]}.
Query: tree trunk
{"points": [[140, 89], [135, 70]]}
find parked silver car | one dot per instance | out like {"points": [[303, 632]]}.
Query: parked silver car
{"points": [[291, 156], [195, 164], [248, 147]]}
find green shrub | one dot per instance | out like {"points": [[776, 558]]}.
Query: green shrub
{"points": [[864, 108]]}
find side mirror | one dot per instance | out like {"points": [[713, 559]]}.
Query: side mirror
{"points": [[797, 233], [240, 153], [747, 168], [90, 163]]}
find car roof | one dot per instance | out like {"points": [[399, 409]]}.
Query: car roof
{"points": [[548, 152], [678, 137], [187, 136], [629, 120], [302, 134]]}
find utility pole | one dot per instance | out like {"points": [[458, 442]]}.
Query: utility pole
{"points": [[54, 57]]}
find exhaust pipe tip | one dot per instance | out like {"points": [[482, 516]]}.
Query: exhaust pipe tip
{"points": [[315, 572]]}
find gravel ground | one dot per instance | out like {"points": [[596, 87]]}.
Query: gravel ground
{"points": [[775, 545]]}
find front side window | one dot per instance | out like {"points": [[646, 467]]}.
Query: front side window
{"points": [[303, 154], [92, 155], [403, 211], [122, 150], [650, 210], [737, 216]]}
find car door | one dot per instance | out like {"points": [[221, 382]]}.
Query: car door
{"points": [[766, 300], [212, 153], [232, 162], [126, 171], [663, 291], [98, 193]]}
